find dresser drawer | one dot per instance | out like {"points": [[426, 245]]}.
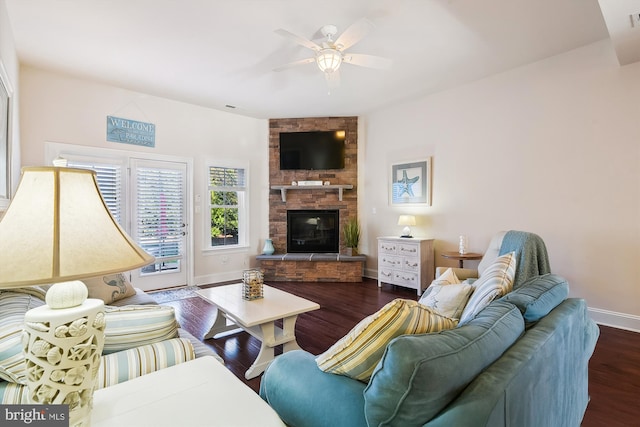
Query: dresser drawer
{"points": [[390, 261], [410, 264], [387, 247], [408, 249], [406, 278], [385, 274]]}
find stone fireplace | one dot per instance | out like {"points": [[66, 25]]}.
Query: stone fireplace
{"points": [[285, 264]]}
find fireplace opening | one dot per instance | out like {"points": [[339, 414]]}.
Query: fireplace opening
{"points": [[313, 231]]}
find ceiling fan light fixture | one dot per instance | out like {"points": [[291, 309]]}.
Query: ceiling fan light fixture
{"points": [[329, 60]]}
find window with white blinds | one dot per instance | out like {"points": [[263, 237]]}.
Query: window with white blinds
{"points": [[227, 192], [109, 178], [160, 213]]}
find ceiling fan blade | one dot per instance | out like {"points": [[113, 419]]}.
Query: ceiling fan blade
{"points": [[295, 64], [298, 39], [354, 33], [370, 61]]}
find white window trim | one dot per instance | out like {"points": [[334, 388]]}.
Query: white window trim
{"points": [[243, 214]]}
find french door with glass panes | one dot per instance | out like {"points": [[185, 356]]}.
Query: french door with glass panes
{"points": [[150, 203], [159, 221]]}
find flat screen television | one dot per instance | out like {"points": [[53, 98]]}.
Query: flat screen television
{"points": [[312, 150]]}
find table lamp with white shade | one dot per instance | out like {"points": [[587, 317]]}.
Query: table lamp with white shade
{"points": [[58, 230], [406, 220]]}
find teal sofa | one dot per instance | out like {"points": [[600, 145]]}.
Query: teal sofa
{"points": [[521, 362]]}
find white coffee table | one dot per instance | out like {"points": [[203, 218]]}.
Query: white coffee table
{"points": [[257, 317], [202, 392]]}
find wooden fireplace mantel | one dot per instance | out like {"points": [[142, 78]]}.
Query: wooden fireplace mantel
{"points": [[283, 188]]}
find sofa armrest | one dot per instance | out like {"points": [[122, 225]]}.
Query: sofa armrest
{"points": [[305, 396], [542, 380]]}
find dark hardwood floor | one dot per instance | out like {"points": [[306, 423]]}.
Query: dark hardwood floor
{"points": [[614, 369]]}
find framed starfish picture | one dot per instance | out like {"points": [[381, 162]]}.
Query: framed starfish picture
{"points": [[411, 183]]}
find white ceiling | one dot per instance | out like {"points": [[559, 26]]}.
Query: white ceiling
{"points": [[219, 52]]}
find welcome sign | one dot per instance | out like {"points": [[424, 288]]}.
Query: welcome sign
{"points": [[131, 132]]}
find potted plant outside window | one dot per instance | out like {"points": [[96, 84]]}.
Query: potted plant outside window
{"points": [[352, 236]]}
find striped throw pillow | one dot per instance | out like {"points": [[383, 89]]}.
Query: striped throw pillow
{"points": [[125, 365], [357, 353], [495, 281], [135, 325], [13, 306]]}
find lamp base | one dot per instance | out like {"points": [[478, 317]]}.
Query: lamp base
{"points": [[62, 350], [406, 232]]}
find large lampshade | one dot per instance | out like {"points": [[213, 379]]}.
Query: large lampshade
{"points": [[57, 228]]}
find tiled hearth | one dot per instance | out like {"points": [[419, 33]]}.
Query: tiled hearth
{"points": [[282, 266]]}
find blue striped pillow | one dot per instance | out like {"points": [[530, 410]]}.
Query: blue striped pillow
{"points": [[495, 281], [135, 325], [357, 353], [125, 365]]}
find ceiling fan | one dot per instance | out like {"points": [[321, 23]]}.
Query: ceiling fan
{"points": [[330, 54]]}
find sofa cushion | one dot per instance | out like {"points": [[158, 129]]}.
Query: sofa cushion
{"points": [[538, 296], [420, 374], [13, 306], [447, 300], [494, 282], [110, 287], [125, 365], [310, 397], [135, 325], [357, 353]]}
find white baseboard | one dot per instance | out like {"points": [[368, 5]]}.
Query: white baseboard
{"points": [[615, 320], [218, 278], [370, 273]]}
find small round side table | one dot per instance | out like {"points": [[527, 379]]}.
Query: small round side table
{"points": [[462, 257]]}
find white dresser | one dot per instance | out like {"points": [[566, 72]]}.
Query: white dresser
{"points": [[406, 262]]}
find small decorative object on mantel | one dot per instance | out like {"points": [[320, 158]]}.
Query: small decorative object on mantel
{"points": [[352, 236], [252, 281], [327, 183], [268, 247]]}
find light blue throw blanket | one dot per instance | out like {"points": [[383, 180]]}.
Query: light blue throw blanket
{"points": [[531, 255]]}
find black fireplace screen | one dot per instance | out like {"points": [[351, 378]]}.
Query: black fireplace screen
{"points": [[313, 231]]}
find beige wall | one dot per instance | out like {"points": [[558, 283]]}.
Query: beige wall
{"points": [[552, 148], [63, 109]]}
